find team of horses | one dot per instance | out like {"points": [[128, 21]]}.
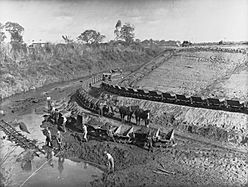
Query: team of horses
{"points": [[128, 112], [108, 105]]}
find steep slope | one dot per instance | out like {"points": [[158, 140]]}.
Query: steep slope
{"points": [[54, 63]]}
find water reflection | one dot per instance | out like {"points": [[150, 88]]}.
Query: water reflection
{"points": [[26, 158], [61, 161], [26, 165], [64, 173]]}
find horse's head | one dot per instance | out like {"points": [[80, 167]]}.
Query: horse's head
{"points": [[134, 108]]}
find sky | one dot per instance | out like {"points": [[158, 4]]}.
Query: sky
{"points": [[194, 20]]}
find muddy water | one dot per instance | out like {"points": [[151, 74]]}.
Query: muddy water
{"points": [[63, 173]]}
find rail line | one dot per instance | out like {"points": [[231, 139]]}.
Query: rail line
{"points": [[19, 138], [180, 135]]}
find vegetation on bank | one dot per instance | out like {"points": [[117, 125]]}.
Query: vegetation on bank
{"points": [[24, 67]]}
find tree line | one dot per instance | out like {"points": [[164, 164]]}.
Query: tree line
{"points": [[122, 32]]}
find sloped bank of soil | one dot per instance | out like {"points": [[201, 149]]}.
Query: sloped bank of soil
{"points": [[64, 62], [189, 162], [193, 72], [213, 124]]}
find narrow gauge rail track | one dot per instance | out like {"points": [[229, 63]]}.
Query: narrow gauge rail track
{"points": [[83, 99], [19, 138], [177, 99]]}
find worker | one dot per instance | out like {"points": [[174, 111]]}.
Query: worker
{"points": [[49, 104], [84, 127], [172, 137], [58, 119], [149, 141], [59, 139], [2, 113], [48, 135], [110, 163], [49, 156], [110, 134], [51, 108]]}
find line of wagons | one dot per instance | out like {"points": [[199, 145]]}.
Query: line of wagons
{"points": [[89, 102], [211, 103], [136, 135]]}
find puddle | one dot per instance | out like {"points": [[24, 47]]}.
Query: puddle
{"points": [[63, 173]]}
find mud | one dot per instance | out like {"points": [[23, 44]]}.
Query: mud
{"points": [[212, 124], [190, 163]]}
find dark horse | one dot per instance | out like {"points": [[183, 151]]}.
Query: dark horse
{"points": [[127, 111], [104, 108], [142, 114]]}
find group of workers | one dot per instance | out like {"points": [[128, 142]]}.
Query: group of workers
{"points": [[57, 118]]}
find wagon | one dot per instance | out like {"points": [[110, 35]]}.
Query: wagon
{"points": [[198, 101], [182, 99], [215, 103], [155, 96], [234, 105], [168, 98]]}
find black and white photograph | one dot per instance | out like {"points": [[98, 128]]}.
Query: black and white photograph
{"points": [[123, 93]]}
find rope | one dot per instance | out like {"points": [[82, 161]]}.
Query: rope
{"points": [[38, 169], [7, 155]]}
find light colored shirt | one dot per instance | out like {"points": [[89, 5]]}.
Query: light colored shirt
{"points": [[109, 156], [85, 128], [49, 134]]}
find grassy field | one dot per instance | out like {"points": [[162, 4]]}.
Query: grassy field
{"points": [[194, 73]]}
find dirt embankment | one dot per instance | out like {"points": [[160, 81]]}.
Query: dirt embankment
{"points": [[193, 72], [213, 124], [55, 63], [147, 68]]}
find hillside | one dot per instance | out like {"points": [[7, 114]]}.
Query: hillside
{"points": [[199, 72], [36, 66]]}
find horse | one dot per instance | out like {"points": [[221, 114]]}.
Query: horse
{"points": [[142, 114], [127, 111]]}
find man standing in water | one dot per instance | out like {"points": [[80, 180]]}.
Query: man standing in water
{"points": [[48, 135], [110, 163], [59, 139]]}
